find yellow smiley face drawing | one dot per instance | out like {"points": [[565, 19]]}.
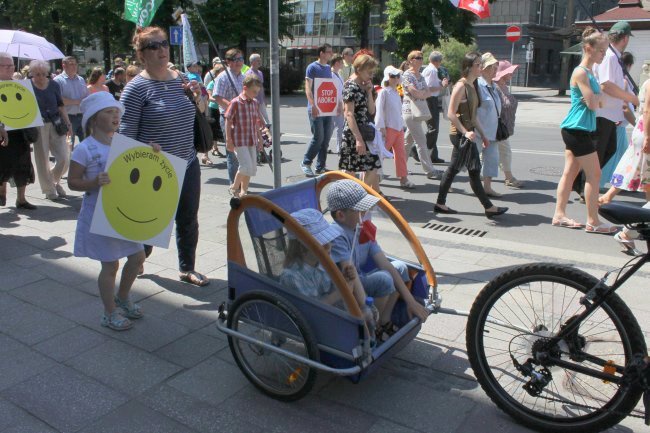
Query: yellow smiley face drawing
{"points": [[18, 106], [141, 199]]}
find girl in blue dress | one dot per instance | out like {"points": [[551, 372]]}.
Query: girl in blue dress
{"points": [[578, 133], [101, 118]]}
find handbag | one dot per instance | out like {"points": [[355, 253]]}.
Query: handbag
{"points": [[502, 129], [60, 127], [420, 109], [202, 129], [367, 132]]}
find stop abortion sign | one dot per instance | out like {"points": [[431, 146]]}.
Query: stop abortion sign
{"points": [[326, 95]]}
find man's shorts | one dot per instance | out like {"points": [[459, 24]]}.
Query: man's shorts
{"points": [[247, 157]]}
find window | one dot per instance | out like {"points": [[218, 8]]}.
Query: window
{"points": [[553, 13], [539, 11], [536, 69], [549, 62]]}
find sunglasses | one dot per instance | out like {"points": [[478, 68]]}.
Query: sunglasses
{"points": [[237, 59], [156, 45], [393, 75], [417, 58]]}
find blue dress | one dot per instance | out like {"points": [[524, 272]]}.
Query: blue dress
{"points": [[93, 155]]}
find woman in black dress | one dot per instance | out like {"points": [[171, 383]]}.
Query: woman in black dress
{"points": [[359, 110], [15, 158]]}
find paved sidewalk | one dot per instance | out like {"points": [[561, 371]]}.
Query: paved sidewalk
{"points": [[60, 371]]}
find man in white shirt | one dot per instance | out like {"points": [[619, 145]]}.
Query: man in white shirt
{"points": [[612, 82], [347, 69], [436, 85]]}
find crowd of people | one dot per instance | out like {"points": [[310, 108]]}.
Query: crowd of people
{"points": [[156, 104]]}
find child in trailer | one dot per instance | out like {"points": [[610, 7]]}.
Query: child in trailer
{"points": [[243, 135], [101, 118], [349, 203]]}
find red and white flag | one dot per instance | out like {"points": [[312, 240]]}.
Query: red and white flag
{"points": [[478, 7]]}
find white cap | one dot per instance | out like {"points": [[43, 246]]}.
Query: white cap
{"points": [[391, 70], [96, 102]]}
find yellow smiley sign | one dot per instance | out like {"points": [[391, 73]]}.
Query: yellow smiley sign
{"points": [[18, 107], [142, 197]]}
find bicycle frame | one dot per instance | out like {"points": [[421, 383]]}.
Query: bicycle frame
{"points": [[593, 300]]}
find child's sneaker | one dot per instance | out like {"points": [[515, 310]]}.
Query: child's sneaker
{"points": [[116, 321], [129, 309]]}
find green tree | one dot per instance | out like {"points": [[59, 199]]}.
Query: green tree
{"points": [[412, 23], [357, 12], [453, 53], [236, 22]]}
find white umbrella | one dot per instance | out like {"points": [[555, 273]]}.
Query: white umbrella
{"points": [[28, 46]]}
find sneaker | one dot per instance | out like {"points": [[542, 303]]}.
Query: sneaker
{"points": [[129, 309], [322, 170], [116, 321], [435, 175], [307, 170], [52, 196], [60, 191]]}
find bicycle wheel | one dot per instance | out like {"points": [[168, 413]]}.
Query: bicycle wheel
{"points": [[269, 318], [531, 303]]}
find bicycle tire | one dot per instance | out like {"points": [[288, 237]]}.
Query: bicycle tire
{"points": [[526, 284], [272, 319]]}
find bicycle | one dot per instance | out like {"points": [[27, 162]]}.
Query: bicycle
{"points": [[558, 349]]}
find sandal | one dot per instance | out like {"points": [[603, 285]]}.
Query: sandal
{"points": [[603, 228], [514, 183], [116, 321], [194, 278], [407, 185], [130, 309], [627, 245], [569, 223], [385, 331], [205, 160]]}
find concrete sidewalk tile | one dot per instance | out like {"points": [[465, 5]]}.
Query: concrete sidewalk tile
{"points": [[410, 403], [37, 259], [123, 367], [213, 381], [70, 343], [149, 333], [347, 418], [64, 398], [194, 316], [198, 414], [455, 362], [134, 417], [15, 276], [276, 416], [70, 270], [420, 352], [13, 246], [50, 295], [30, 425], [169, 279], [29, 323], [164, 303], [190, 349], [444, 326], [486, 413], [212, 331], [385, 426], [18, 362]]}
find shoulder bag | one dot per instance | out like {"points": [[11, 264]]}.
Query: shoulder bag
{"points": [[420, 109], [202, 130], [502, 129]]}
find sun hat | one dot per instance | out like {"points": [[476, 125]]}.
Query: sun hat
{"points": [[96, 102], [391, 70], [312, 220], [488, 59], [348, 194], [505, 68], [216, 60], [622, 27]]}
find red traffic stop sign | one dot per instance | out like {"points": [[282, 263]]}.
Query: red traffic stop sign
{"points": [[513, 33], [326, 97]]}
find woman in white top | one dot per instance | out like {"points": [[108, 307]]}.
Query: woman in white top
{"points": [[388, 118]]}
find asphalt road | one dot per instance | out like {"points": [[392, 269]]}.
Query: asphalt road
{"points": [[538, 160]]}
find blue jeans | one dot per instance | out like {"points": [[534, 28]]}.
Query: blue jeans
{"points": [[231, 159], [187, 221], [379, 283], [321, 129], [75, 121]]}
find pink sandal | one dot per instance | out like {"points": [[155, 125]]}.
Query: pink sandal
{"points": [[604, 228]]}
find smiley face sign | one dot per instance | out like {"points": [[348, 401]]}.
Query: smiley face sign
{"points": [[18, 106], [140, 201]]}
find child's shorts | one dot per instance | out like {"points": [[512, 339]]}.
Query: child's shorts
{"points": [[247, 157], [379, 283]]}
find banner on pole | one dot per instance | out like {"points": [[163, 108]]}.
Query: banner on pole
{"points": [[189, 50], [141, 12]]}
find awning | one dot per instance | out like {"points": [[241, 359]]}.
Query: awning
{"points": [[575, 50]]}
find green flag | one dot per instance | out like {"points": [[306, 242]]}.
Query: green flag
{"points": [[140, 12]]}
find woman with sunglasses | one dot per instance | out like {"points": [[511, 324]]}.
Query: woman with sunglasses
{"points": [[465, 124], [416, 89], [158, 110]]}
